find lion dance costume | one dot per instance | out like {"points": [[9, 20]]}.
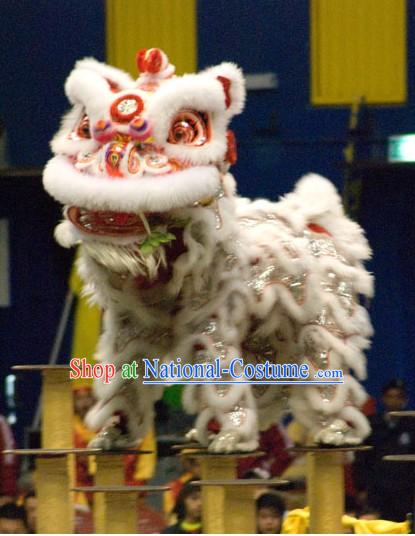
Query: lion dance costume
{"points": [[182, 266]]}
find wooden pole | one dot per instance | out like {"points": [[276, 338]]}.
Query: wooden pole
{"points": [[55, 475], [57, 408], [55, 508], [213, 497], [110, 472], [228, 502], [120, 506], [240, 510], [325, 491], [118, 511], [325, 486]]}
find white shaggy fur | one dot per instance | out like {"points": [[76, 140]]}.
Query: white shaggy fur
{"points": [[254, 279], [149, 193]]}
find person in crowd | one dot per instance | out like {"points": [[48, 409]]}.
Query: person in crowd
{"points": [[270, 509], [191, 471], [369, 513], [188, 509], [30, 506], [388, 486], [12, 519]]}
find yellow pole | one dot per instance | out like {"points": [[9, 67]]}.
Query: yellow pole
{"points": [[213, 497], [240, 510], [110, 472], [120, 513], [325, 491], [57, 409], [54, 476]]}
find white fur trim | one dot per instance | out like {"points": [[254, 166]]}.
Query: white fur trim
{"points": [[152, 194], [61, 144], [237, 89], [190, 92], [121, 78]]}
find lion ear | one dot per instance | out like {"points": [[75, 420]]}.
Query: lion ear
{"points": [[231, 78]]}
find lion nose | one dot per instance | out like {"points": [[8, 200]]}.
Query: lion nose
{"points": [[103, 131], [140, 129]]}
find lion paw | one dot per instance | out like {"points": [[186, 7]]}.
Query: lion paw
{"points": [[229, 441], [338, 433]]}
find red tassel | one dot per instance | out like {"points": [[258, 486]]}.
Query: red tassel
{"points": [[226, 83], [231, 153]]}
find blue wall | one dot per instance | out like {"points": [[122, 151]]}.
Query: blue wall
{"points": [[39, 42]]}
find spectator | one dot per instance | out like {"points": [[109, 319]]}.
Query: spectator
{"points": [[188, 510], [389, 486], [191, 471], [270, 512], [12, 519], [369, 514], [30, 506]]}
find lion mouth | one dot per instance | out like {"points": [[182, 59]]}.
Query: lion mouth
{"points": [[110, 223]]}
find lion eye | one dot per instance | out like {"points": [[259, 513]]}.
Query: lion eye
{"points": [[83, 128], [189, 128]]}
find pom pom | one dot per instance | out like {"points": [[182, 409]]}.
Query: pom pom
{"points": [[151, 61], [103, 131], [140, 129]]}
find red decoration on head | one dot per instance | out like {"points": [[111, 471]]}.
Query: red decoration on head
{"points": [[125, 108], [231, 153], [150, 61], [315, 228], [226, 83], [114, 87]]}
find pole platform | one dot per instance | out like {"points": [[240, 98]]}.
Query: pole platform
{"points": [[54, 453], [399, 458], [322, 449], [250, 482], [402, 413], [40, 368], [121, 489]]}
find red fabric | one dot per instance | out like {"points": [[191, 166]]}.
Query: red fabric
{"points": [[369, 407], [8, 463], [149, 61], [231, 153], [276, 458], [226, 83], [348, 480], [315, 228], [130, 461]]}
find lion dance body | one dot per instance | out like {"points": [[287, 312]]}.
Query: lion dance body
{"points": [[182, 266]]}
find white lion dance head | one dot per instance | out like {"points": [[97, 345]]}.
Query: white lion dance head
{"points": [[131, 152]]}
